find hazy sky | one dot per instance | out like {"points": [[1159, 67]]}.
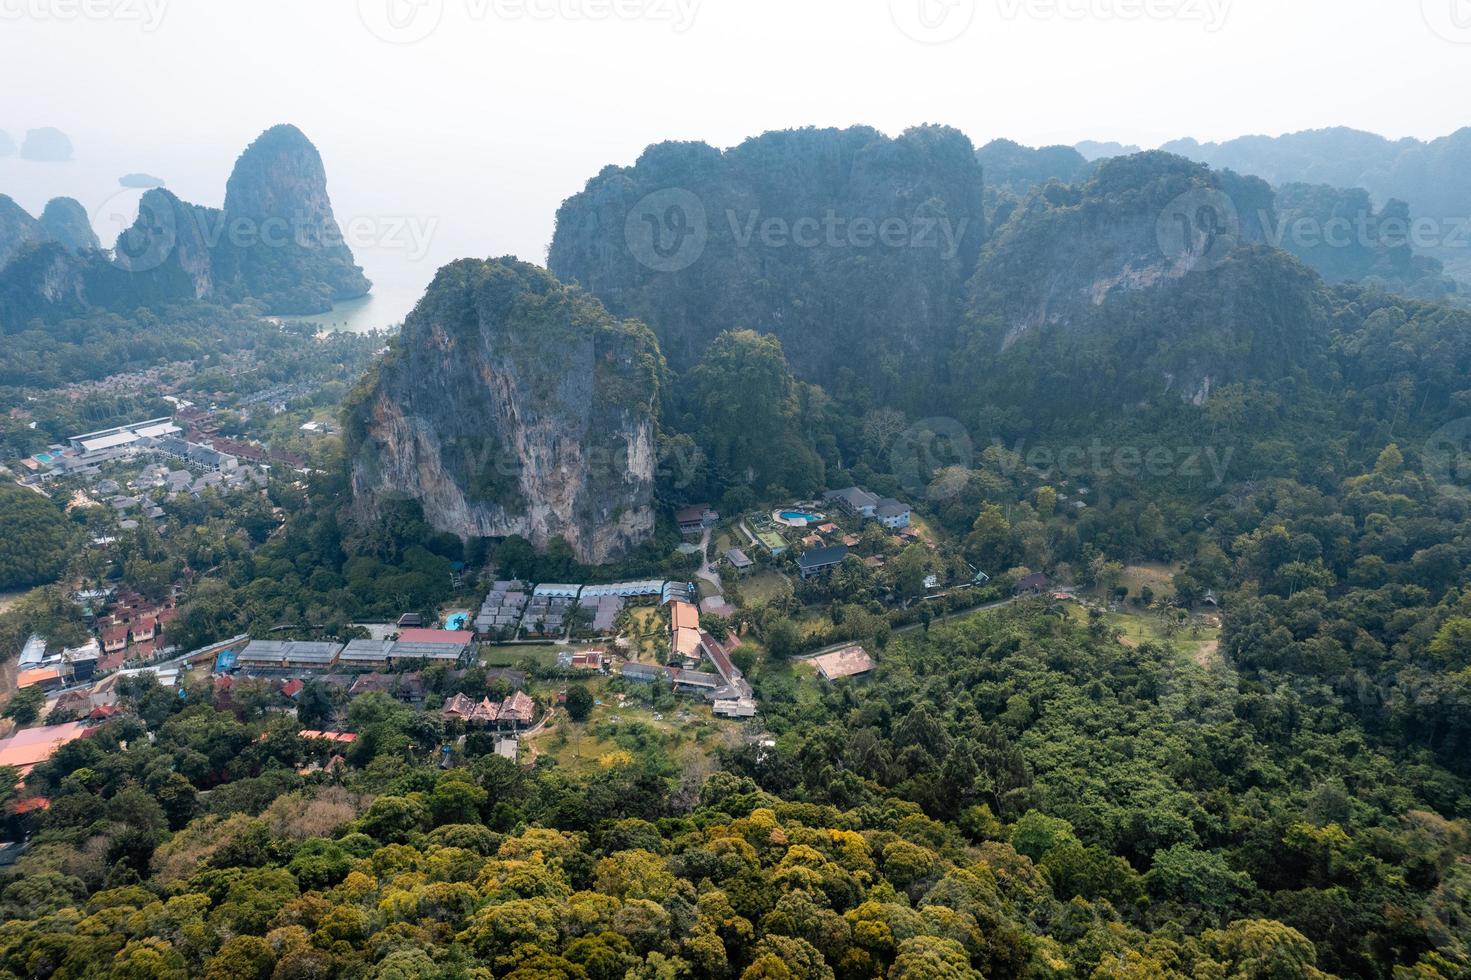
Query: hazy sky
{"points": [[468, 121]]}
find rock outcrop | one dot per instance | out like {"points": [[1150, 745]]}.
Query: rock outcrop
{"points": [[1151, 283], [17, 228], [513, 405], [277, 193], [850, 247], [275, 244], [65, 222]]}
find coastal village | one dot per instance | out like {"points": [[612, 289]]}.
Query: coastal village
{"points": [[677, 637], [503, 667]]}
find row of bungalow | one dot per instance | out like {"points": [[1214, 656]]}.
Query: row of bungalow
{"points": [[514, 713], [413, 646]]}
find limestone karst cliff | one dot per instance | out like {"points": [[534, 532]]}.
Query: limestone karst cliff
{"points": [[275, 244], [513, 405]]}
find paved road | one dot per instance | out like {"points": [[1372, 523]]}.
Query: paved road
{"points": [[707, 571]]}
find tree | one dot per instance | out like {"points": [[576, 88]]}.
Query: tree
{"points": [[241, 958], [25, 706], [1262, 949], [579, 702], [314, 707], [37, 538], [783, 639], [929, 958]]}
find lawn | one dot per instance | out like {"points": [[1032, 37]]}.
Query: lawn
{"points": [[1200, 639], [763, 587], [514, 654], [682, 734], [773, 541]]}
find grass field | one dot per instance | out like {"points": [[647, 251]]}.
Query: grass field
{"points": [[1157, 576], [763, 587], [512, 655], [682, 735], [1200, 639], [773, 541]]}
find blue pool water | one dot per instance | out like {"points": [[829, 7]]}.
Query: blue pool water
{"points": [[456, 622], [797, 515]]}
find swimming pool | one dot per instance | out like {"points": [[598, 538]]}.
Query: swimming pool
{"points": [[456, 622], [797, 515]]}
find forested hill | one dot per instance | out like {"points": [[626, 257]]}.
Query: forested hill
{"points": [[1433, 177], [1017, 796], [1135, 297], [851, 247]]}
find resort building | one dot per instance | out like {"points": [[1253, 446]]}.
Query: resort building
{"points": [[819, 560], [855, 500]]}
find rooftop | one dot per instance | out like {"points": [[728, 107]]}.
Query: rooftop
{"points": [[848, 662], [821, 557]]}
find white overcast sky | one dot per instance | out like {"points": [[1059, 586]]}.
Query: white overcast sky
{"points": [[482, 127]]}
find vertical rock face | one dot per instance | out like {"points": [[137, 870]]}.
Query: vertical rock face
{"points": [[278, 191], [850, 247], [512, 405], [17, 228], [276, 243], [166, 252], [65, 221]]}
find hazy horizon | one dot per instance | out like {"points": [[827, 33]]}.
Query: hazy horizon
{"points": [[456, 127]]}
